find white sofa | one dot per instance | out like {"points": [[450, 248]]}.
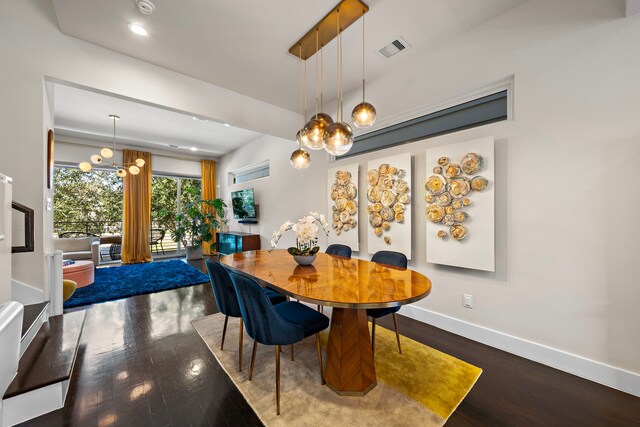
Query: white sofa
{"points": [[79, 248]]}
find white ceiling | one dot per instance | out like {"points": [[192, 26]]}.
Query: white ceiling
{"points": [[84, 114], [241, 45]]}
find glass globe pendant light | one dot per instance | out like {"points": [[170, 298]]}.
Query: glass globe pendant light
{"points": [[364, 114], [85, 166], [300, 159], [338, 138], [315, 128]]}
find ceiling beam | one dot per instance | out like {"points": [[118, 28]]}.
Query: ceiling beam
{"points": [[632, 7]]}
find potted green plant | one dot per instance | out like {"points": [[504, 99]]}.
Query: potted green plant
{"points": [[194, 224]]}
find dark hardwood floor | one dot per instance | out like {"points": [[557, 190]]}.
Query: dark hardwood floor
{"points": [[142, 364]]}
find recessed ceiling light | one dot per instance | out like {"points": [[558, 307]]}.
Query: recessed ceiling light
{"points": [[194, 149], [138, 29], [227, 124]]}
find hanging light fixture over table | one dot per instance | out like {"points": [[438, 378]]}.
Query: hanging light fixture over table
{"points": [[363, 115], [107, 153], [321, 131], [300, 159]]}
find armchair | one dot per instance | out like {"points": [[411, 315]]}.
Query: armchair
{"points": [[79, 248]]}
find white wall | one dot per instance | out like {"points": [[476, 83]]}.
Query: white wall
{"points": [[566, 176], [33, 49], [287, 194]]}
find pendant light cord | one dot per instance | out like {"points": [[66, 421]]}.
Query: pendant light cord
{"points": [[305, 90], [363, 50], [321, 81], [339, 70], [317, 31], [300, 94]]}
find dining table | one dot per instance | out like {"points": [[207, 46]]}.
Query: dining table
{"points": [[349, 286]]}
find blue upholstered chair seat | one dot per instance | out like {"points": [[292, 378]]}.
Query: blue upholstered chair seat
{"points": [[381, 312], [275, 297], [311, 321]]}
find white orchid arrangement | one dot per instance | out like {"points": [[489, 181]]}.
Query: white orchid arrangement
{"points": [[306, 234]]}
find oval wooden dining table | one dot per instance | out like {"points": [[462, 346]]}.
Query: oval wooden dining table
{"points": [[349, 286]]}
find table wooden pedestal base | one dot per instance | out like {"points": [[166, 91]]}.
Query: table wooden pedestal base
{"points": [[350, 369]]}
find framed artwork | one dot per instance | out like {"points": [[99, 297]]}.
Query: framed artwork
{"points": [[22, 228], [49, 158], [389, 204], [460, 211], [343, 206]]}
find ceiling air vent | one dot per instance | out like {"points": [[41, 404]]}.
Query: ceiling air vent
{"points": [[145, 6], [173, 146], [396, 46]]}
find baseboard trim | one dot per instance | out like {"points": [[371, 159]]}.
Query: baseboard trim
{"points": [[37, 402], [25, 294], [610, 376]]}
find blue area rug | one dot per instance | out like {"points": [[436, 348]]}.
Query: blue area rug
{"points": [[136, 279]]}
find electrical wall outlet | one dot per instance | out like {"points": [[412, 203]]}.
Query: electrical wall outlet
{"points": [[467, 300]]}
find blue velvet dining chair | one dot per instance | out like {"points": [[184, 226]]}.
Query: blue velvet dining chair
{"points": [[395, 259], [340, 250], [282, 324], [227, 301]]}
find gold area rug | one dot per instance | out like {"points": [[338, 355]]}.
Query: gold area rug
{"points": [[421, 386]]}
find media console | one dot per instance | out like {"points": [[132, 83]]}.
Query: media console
{"points": [[235, 241]]}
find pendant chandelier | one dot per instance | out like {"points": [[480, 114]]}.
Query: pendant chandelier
{"points": [[300, 159], [107, 153], [338, 138], [321, 131], [363, 115], [316, 127]]}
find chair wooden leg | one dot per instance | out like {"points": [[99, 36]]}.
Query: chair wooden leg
{"points": [[224, 331], [241, 334], [395, 325], [319, 358], [277, 380], [373, 335], [253, 359], [292, 352], [320, 308]]}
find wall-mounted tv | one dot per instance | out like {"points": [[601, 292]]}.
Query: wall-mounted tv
{"points": [[244, 205]]}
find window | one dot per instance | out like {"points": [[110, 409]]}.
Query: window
{"points": [[249, 173], [87, 202], [167, 200], [481, 111]]}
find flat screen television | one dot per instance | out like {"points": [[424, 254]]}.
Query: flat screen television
{"points": [[243, 205]]}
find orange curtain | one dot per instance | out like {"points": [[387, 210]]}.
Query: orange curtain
{"points": [[136, 209], [208, 193]]}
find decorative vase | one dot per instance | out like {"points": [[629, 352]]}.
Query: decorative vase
{"points": [[194, 253], [305, 259]]}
